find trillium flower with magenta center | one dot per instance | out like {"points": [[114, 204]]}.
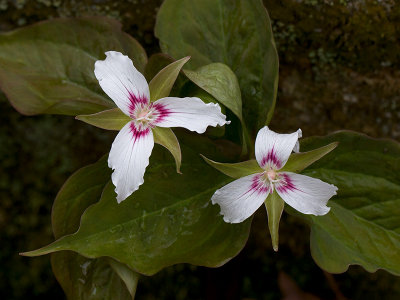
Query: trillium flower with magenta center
{"points": [[241, 198], [131, 149]]}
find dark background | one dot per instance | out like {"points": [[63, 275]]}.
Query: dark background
{"points": [[339, 69]]}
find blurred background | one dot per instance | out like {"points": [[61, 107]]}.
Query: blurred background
{"points": [[339, 69]]}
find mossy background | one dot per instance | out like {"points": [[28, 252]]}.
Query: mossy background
{"points": [[339, 69]]}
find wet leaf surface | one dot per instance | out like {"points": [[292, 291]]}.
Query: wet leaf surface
{"points": [[363, 226]]}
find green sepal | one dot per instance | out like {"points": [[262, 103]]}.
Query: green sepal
{"points": [[167, 138], [235, 170], [112, 119], [274, 205], [155, 64], [161, 84], [297, 162]]}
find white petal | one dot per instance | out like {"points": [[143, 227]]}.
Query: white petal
{"points": [[306, 194], [120, 80], [273, 149], [129, 157], [190, 113], [297, 146], [241, 198]]}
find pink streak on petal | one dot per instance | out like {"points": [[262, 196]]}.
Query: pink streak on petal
{"points": [[135, 100], [162, 112], [271, 158], [258, 185], [286, 184], [138, 133]]}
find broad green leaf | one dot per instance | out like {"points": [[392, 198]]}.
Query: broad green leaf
{"points": [[274, 205], [363, 226], [297, 162], [169, 220], [48, 67], [81, 190], [166, 137], [218, 80], [81, 277], [236, 33], [161, 84], [236, 170], [111, 119]]}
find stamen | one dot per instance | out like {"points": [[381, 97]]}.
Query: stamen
{"points": [[271, 175]]}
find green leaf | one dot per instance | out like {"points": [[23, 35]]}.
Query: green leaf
{"points": [[81, 190], [127, 275], [274, 205], [218, 80], [87, 279], [236, 33], [236, 170], [161, 84], [166, 137], [169, 220], [81, 277], [363, 226], [48, 67], [297, 162], [111, 119]]}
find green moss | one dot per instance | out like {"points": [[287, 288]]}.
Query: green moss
{"points": [[359, 34]]}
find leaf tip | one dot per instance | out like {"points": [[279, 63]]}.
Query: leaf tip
{"points": [[29, 253], [205, 158]]}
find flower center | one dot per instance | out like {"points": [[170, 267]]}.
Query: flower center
{"points": [[271, 175], [144, 115]]}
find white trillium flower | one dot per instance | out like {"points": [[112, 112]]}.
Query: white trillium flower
{"points": [[131, 149], [241, 198]]}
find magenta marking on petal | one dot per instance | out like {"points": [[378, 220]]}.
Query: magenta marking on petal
{"points": [[135, 100], [161, 112], [258, 185], [271, 158], [138, 133], [285, 184]]}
